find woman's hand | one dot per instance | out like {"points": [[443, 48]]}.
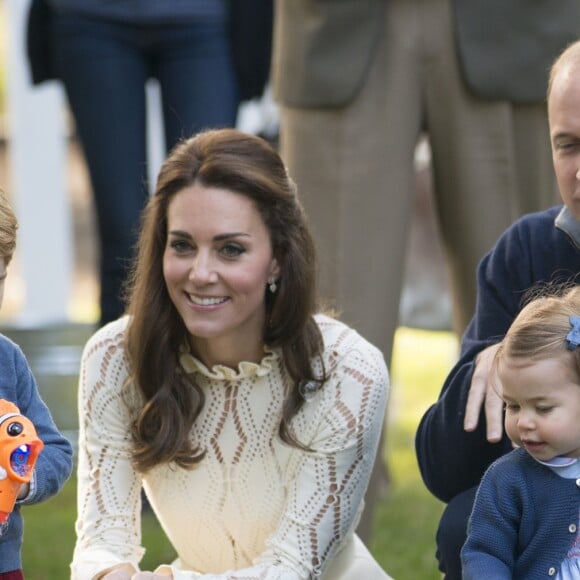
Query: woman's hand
{"points": [[122, 572], [126, 572], [117, 575]]}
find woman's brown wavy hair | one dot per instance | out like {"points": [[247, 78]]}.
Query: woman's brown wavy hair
{"points": [[248, 165]]}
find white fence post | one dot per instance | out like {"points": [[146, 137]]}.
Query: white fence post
{"points": [[36, 133]]}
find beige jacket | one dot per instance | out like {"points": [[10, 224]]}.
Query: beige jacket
{"points": [[323, 48]]}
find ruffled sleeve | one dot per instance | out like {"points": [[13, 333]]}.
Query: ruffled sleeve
{"points": [[108, 524]]}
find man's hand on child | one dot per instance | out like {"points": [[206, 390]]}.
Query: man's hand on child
{"points": [[482, 393]]}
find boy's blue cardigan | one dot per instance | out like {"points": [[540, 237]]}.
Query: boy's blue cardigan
{"points": [[54, 465]]}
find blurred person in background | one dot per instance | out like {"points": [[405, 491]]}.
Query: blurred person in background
{"points": [[104, 53], [359, 82]]}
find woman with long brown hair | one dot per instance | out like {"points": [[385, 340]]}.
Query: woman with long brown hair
{"points": [[250, 420]]}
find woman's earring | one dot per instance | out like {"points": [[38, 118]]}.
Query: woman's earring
{"points": [[272, 286]]}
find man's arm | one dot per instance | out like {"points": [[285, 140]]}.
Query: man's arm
{"points": [[451, 459], [483, 395], [462, 433]]}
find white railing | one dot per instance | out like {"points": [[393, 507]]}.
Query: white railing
{"points": [[43, 274], [35, 130]]}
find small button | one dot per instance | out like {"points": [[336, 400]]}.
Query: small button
{"points": [[551, 571], [572, 528], [578, 482]]}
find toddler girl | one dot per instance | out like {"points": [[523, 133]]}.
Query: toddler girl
{"points": [[525, 518]]}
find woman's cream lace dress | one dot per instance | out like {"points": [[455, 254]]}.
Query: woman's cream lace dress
{"points": [[254, 508]]}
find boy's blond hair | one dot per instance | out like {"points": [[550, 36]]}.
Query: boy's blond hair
{"points": [[8, 227]]}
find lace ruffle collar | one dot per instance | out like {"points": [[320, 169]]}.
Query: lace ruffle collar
{"points": [[246, 369]]}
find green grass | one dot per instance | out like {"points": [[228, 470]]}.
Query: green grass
{"points": [[405, 521], [49, 538]]}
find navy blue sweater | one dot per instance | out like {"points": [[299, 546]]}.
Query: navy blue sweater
{"points": [[538, 248], [523, 522], [54, 464]]}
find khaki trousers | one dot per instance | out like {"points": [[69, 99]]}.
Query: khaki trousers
{"points": [[354, 168]]}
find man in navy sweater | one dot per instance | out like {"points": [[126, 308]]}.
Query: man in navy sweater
{"points": [[462, 433]]}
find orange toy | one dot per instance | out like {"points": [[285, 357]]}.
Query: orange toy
{"points": [[19, 449]]}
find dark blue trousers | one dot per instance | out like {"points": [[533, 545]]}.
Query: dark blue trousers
{"points": [[104, 66], [452, 533]]}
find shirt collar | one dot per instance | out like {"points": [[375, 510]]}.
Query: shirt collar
{"points": [[566, 467], [567, 223]]}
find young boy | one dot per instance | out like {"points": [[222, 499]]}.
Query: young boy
{"points": [[17, 385]]}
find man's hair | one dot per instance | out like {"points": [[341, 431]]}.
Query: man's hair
{"points": [[569, 57], [8, 227]]}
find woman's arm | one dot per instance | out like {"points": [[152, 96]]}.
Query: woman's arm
{"points": [[108, 525]]}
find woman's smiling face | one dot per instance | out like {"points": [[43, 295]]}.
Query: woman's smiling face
{"points": [[217, 263]]}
